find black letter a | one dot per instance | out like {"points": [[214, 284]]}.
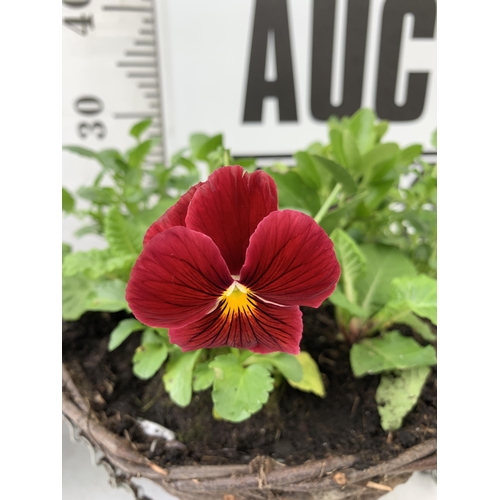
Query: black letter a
{"points": [[270, 15]]}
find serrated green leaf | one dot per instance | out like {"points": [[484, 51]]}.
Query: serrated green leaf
{"points": [[178, 378], [339, 173], [338, 299], [139, 128], [397, 394], [352, 262], [108, 296], [420, 293], [122, 331], [203, 376], [311, 381], [287, 364], [124, 238], [95, 263], [75, 293], [362, 127], [392, 351], [238, 391], [68, 202], [383, 264], [147, 360]]}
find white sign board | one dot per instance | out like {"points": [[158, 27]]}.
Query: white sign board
{"points": [[269, 73]]}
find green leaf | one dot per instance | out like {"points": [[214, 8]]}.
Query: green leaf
{"points": [[147, 360], [96, 263], [239, 391], [336, 145], [381, 129], [377, 193], [124, 238], [178, 378], [362, 127], [311, 381], [139, 128], [207, 147], [420, 293], [333, 218], [339, 173], [294, 193], [68, 202], [87, 153], [397, 394], [307, 170], [351, 152], [139, 153], [108, 296], [381, 153], [392, 312], [434, 139], [392, 351], [409, 154], [287, 364], [75, 293], [352, 262], [338, 299], [98, 195], [203, 377], [122, 331], [66, 250], [383, 264], [418, 326]]}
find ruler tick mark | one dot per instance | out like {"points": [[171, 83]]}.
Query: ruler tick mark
{"points": [[142, 75], [126, 8], [138, 53], [135, 64]]}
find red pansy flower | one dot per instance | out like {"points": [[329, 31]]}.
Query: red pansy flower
{"points": [[224, 267]]}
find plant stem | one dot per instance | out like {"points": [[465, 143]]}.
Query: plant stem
{"points": [[227, 157], [328, 203]]}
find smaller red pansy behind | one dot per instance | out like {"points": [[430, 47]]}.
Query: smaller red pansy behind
{"points": [[224, 267]]}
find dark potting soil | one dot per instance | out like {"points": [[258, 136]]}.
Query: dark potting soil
{"points": [[293, 427]]}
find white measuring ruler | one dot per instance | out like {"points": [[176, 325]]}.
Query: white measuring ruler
{"points": [[110, 72]]}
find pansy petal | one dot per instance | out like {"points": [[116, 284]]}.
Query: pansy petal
{"points": [[177, 279], [229, 206], [290, 261], [267, 328], [174, 216]]}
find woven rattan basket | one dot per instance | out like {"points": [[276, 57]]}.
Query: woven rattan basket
{"points": [[332, 478]]}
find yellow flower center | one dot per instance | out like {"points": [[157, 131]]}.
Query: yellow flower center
{"points": [[237, 299]]}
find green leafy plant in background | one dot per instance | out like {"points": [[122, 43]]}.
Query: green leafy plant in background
{"points": [[377, 202], [356, 182]]}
